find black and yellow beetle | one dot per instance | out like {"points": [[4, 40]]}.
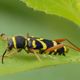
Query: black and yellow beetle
{"points": [[42, 45]]}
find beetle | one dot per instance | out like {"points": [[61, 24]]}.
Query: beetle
{"points": [[35, 43]]}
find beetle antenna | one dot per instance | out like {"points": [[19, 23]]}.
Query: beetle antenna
{"points": [[3, 56]]}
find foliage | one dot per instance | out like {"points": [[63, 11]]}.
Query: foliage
{"points": [[69, 9]]}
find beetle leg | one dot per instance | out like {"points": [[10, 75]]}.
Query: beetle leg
{"points": [[19, 50], [35, 53], [73, 46], [54, 47], [27, 51], [60, 40]]}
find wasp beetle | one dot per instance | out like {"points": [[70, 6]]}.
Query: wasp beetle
{"points": [[42, 45]]}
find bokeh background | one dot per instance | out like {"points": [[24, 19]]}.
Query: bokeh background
{"points": [[16, 18]]}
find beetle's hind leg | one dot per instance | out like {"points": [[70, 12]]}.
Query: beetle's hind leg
{"points": [[60, 40], [54, 48], [73, 46]]}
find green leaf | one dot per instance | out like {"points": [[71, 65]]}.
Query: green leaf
{"points": [[69, 9], [17, 19], [66, 72]]}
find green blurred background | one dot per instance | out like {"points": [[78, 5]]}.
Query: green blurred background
{"points": [[17, 19]]}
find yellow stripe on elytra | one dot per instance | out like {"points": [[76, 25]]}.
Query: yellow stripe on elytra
{"points": [[14, 42], [55, 44], [34, 44], [43, 44], [65, 49]]}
